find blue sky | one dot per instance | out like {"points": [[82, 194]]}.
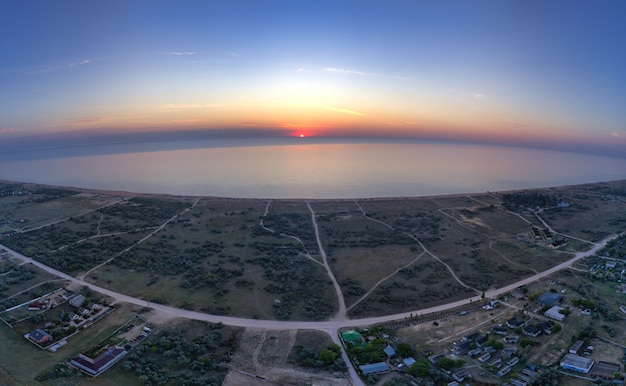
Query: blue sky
{"points": [[543, 73]]}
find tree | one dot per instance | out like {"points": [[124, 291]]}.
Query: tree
{"points": [[405, 350], [549, 377], [449, 363], [419, 368], [327, 356]]}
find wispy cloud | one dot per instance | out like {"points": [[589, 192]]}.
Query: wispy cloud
{"points": [[83, 121], [234, 54], [188, 106], [618, 134], [341, 110], [478, 96], [10, 130], [59, 66], [181, 53], [343, 71]]}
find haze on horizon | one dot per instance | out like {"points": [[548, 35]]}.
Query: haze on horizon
{"points": [[544, 74]]}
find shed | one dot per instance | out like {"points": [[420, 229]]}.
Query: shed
{"points": [[373, 368], [408, 361]]}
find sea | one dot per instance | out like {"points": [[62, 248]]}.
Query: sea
{"points": [[312, 169]]}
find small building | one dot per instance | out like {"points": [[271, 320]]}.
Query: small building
{"points": [[496, 364], [351, 336], [461, 375], [374, 368], [77, 301], [40, 337], [549, 299], [512, 339], [37, 306], [481, 340], [484, 358], [460, 348], [532, 331], [577, 347], [577, 363], [474, 352], [514, 323], [546, 327], [408, 361], [435, 358], [471, 337], [555, 313], [504, 371], [513, 361], [389, 351], [499, 330], [96, 366]]}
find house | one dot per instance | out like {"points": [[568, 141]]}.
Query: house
{"points": [[511, 339], [36, 306], [513, 361], [40, 337], [77, 301], [504, 371], [496, 364], [100, 364], [460, 348], [555, 313], [532, 331], [389, 351], [470, 337], [577, 363], [484, 358], [435, 358], [83, 311], [408, 361], [517, 382], [481, 340], [514, 323], [374, 368], [549, 299], [461, 375], [474, 352], [499, 330]]}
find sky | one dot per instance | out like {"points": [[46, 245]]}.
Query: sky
{"points": [[539, 73]]}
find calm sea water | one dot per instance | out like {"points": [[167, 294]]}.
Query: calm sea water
{"points": [[326, 170]]}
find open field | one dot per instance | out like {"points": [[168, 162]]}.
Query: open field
{"points": [[260, 258]]}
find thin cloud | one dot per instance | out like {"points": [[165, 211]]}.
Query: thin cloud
{"points": [[343, 71], [478, 96], [61, 66], [187, 106], [10, 130], [82, 121], [181, 53], [618, 134], [340, 110], [234, 54]]}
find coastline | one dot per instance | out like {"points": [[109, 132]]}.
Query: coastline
{"points": [[124, 193]]}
